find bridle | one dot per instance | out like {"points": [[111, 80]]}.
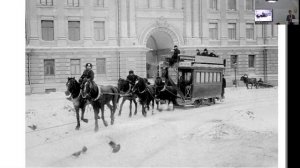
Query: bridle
{"points": [[71, 94]]}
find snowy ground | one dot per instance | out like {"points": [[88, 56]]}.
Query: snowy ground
{"points": [[239, 132]]}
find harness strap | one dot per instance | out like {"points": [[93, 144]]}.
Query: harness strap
{"points": [[99, 93], [75, 97], [128, 89]]}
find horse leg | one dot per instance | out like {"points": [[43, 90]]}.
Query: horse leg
{"points": [[96, 115], [77, 117], [152, 105], [82, 115], [144, 110], [121, 106], [112, 108], [102, 115], [135, 106]]}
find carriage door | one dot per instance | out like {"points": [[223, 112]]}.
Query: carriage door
{"points": [[186, 81]]}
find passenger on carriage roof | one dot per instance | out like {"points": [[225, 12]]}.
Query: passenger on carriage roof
{"points": [[87, 73], [198, 52], [205, 52]]}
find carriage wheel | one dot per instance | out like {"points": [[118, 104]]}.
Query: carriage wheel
{"points": [[197, 103], [213, 100]]}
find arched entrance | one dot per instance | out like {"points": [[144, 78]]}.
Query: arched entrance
{"points": [[160, 44]]}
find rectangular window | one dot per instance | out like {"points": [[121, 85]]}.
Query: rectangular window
{"points": [[49, 67], [233, 60], [75, 66], [249, 5], [74, 3], [101, 65], [213, 4], [250, 31], [211, 77], [213, 31], [100, 3], [202, 77], [47, 30], [232, 31], [231, 4], [74, 30], [99, 30], [218, 77], [198, 77], [46, 2], [251, 59], [206, 77]]}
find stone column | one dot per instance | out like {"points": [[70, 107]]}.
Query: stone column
{"points": [[123, 18], [195, 20]]}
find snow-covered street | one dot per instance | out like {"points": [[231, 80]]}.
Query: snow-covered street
{"points": [[239, 132]]}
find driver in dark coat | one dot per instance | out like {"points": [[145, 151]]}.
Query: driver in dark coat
{"points": [[87, 74], [159, 85], [132, 78], [174, 58]]}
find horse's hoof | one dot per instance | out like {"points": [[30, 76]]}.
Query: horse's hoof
{"points": [[96, 129], [119, 114], [85, 120], [112, 123], [105, 124], [98, 117], [77, 127]]}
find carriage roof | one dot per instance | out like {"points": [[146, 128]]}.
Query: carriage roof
{"points": [[195, 62]]}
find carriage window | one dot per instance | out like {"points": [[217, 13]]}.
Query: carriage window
{"points": [[213, 77], [188, 77], [49, 65], [202, 77], [198, 77], [210, 77], [218, 77], [206, 77]]}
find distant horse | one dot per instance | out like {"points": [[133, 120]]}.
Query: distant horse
{"points": [[125, 87], [163, 92], [145, 94], [74, 95], [247, 81], [100, 96]]}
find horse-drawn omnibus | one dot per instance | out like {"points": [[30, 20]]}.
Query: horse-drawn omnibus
{"points": [[198, 79]]}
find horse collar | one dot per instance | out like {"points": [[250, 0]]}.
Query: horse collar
{"points": [[99, 93]]}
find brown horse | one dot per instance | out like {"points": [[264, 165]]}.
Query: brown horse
{"points": [[74, 95], [247, 81], [100, 96], [145, 94], [163, 92], [125, 88]]}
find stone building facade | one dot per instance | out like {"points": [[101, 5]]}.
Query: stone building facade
{"points": [[119, 35]]}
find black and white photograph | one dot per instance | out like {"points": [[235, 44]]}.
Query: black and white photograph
{"points": [[154, 83]]}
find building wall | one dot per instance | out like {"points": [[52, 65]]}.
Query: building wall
{"points": [[128, 26]]}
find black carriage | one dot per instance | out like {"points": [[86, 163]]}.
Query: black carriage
{"points": [[198, 79]]}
